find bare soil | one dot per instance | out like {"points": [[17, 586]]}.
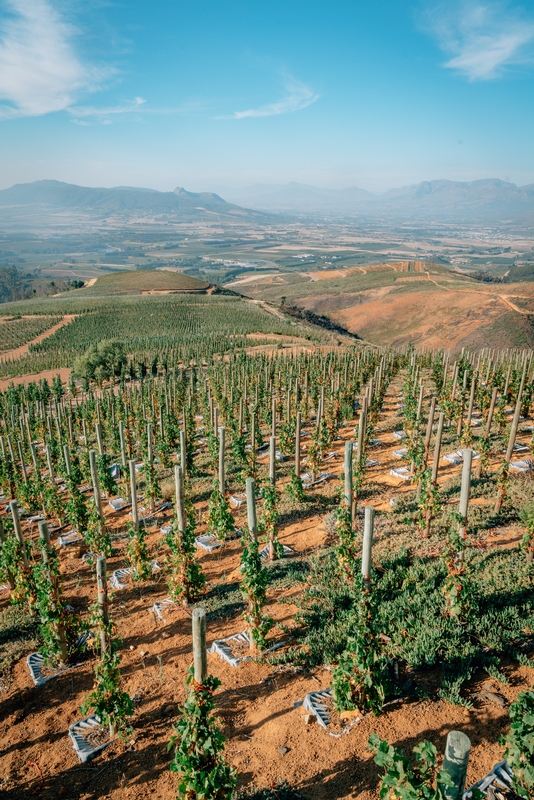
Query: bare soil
{"points": [[258, 704]]}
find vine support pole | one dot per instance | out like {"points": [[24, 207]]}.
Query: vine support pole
{"points": [[465, 490], [50, 464], [54, 581], [96, 486], [487, 431], [435, 466], [10, 579], [367, 549], [252, 520], [179, 492], [133, 494], [200, 658], [272, 460], [347, 471], [18, 531], [98, 431], [221, 460], [66, 456], [183, 451], [124, 459], [297, 445], [455, 762], [511, 442], [103, 602]]}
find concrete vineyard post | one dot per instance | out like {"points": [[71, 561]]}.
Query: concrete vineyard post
{"points": [[66, 456], [487, 430], [511, 442], [96, 485], [367, 548], [435, 466], [272, 460], [297, 445], [347, 470], [179, 492], [54, 580], [455, 763], [428, 437], [133, 494], [200, 659], [273, 415], [50, 464], [465, 490], [251, 508], [18, 531], [221, 459]]}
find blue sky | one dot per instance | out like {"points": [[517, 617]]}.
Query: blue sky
{"points": [[213, 94]]}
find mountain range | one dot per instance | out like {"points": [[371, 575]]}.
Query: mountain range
{"points": [[49, 196], [439, 199], [489, 197]]}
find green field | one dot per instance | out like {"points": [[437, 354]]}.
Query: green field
{"points": [[138, 281]]}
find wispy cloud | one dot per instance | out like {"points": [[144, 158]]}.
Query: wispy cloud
{"points": [[298, 96], [482, 37], [133, 109], [39, 69]]}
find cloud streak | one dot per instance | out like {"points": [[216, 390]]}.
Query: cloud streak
{"points": [[482, 38], [39, 70], [298, 96]]}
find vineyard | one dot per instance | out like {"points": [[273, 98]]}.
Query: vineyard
{"points": [[154, 329], [279, 574], [16, 332]]}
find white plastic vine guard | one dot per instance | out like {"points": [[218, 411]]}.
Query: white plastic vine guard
{"points": [[165, 529], [237, 500], [307, 481], [77, 732], [39, 517], [209, 542], [402, 453], [139, 467], [36, 662], [499, 778], [223, 648], [73, 537], [369, 462], [329, 456], [404, 473], [118, 504], [521, 448], [457, 457], [115, 470], [376, 442], [117, 579], [314, 702], [521, 466], [400, 434], [264, 554], [262, 448], [89, 556], [160, 605]]}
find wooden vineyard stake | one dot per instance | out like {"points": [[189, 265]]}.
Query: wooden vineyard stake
{"points": [[368, 530], [272, 460], [501, 493], [96, 485], [103, 602], [347, 471], [435, 466], [124, 459], [221, 460], [18, 531], [297, 445], [133, 494], [200, 659]]}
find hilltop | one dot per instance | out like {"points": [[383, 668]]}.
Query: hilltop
{"points": [[143, 281]]}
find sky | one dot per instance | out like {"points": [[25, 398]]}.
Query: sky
{"points": [[228, 93]]}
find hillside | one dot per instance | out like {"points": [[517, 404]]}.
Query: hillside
{"points": [[397, 303], [144, 281]]}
